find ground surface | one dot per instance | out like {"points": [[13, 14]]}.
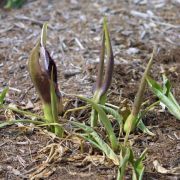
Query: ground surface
{"points": [[74, 39]]}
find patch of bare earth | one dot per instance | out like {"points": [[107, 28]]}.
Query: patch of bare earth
{"points": [[74, 40]]}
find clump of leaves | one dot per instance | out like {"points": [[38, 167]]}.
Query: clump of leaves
{"points": [[44, 78], [14, 4], [120, 154], [165, 95], [124, 158]]}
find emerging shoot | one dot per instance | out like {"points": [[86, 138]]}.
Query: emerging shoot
{"points": [[44, 78], [132, 119], [102, 86]]}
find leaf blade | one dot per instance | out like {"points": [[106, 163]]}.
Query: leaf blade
{"points": [[156, 88], [101, 144]]}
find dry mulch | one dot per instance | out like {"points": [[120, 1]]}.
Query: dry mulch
{"points": [[74, 39]]}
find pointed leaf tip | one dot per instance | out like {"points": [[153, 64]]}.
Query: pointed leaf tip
{"points": [[41, 75], [44, 34], [110, 63], [102, 84]]}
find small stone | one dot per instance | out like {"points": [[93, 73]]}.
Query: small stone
{"points": [[131, 51]]}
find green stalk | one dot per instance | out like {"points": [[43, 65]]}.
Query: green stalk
{"points": [[58, 130], [94, 113], [132, 119], [94, 118], [51, 119], [48, 115]]}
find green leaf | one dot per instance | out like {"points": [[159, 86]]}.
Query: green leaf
{"points": [[115, 114], [125, 159], [138, 176], [3, 95], [92, 141], [167, 90], [98, 142], [173, 107], [131, 157], [141, 158], [88, 130], [166, 86], [105, 121], [139, 167], [123, 163], [144, 129], [172, 98]]}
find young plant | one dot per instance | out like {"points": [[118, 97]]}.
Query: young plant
{"points": [[122, 160], [44, 78], [100, 94], [133, 119], [111, 147], [165, 95]]}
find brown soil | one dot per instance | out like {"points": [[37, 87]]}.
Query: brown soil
{"points": [[74, 39]]}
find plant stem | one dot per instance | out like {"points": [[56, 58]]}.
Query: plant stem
{"points": [[48, 115], [139, 97], [132, 119]]}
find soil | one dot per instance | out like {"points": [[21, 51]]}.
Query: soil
{"points": [[74, 40]]}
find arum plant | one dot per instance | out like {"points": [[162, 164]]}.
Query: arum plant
{"points": [[123, 161], [44, 77], [102, 86], [133, 119], [100, 94], [165, 95]]}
